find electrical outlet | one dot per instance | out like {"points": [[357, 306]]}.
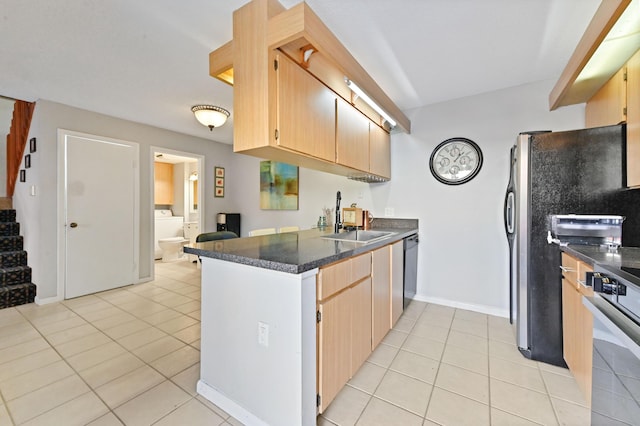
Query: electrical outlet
{"points": [[360, 195], [389, 212], [263, 334]]}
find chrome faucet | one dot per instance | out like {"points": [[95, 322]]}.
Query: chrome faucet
{"points": [[338, 225]]}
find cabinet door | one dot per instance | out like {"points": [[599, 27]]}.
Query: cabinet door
{"points": [[306, 112], [163, 183], [381, 293], [334, 347], [380, 151], [606, 107], [360, 295], [633, 120], [397, 281], [569, 332], [334, 278], [352, 137]]}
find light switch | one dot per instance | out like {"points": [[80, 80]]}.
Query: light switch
{"points": [[32, 190]]}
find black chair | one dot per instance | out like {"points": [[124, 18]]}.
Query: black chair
{"points": [[213, 236]]}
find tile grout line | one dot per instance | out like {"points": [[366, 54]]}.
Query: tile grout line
{"points": [[77, 373]]}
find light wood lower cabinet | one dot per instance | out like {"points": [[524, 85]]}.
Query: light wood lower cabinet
{"points": [[577, 323], [397, 281], [360, 295], [381, 293], [633, 121], [344, 326]]}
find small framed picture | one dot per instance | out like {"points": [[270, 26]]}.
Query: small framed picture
{"points": [[32, 145], [23, 175], [219, 192], [219, 182], [27, 161], [219, 172]]}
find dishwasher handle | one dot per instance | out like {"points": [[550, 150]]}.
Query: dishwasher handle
{"points": [[413, 239]]}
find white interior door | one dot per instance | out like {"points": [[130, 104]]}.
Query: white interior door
{"points": [[100, 215]]}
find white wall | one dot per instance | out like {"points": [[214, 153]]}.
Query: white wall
{"points": [[463, 256]]}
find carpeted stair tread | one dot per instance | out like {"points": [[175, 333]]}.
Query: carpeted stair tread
{"points": [[15, 275], [9, 229], [7, 215], [11, 243], [17, 294], [9, 259]]}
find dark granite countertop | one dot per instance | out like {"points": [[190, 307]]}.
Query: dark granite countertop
{"points": [[297, 252], [612, 260]]}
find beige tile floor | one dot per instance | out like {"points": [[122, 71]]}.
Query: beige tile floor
{"points": [[131, 356], [446, 366]]}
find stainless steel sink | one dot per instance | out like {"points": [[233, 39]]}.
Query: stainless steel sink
{"points": [[360, 237]]}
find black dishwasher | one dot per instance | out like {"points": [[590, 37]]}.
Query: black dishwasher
{"points": [[410, 268]]}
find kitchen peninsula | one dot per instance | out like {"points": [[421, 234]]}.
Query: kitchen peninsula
{"points": [[259, 330]]}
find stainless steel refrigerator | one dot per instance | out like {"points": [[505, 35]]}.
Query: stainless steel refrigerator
{"points": [[572, 172]]}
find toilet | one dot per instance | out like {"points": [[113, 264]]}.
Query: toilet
{"points": [[169, 232], [172, 248]]}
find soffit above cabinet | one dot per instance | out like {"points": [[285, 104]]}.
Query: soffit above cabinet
{"points": [[299, 33], [611, 38]]}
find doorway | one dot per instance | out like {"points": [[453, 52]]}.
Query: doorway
{"points": [[99, 234], [178, 188]]}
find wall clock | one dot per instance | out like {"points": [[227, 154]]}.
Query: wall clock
{"points": [[456, 161]]}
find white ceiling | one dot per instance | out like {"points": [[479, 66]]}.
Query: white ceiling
{"points": [[147, 61]]}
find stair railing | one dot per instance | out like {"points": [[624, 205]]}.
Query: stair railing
{"points": [[17, 140]]}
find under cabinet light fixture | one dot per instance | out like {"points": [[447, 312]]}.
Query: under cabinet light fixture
{"points": [[210, 115], [358, 91]]}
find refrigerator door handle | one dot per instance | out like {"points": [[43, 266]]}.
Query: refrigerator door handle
{"points": [[510, 213]]}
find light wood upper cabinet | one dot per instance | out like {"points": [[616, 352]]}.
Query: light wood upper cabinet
{"points": [[633, 120], [609, 104], [381, 293], [306, 117], [163, 183], [618, 101], [352, 137], [380, 151], [287, 112]]}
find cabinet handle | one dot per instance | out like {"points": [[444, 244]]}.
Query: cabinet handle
{"points": [[565, 269]]}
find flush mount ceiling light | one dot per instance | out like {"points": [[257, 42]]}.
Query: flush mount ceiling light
{"points": [[210, 115], [358, 91]]}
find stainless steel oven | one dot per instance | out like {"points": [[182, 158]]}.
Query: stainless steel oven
{"points": [[615, 391]]}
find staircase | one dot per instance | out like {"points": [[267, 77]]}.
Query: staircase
{"points": [[16, 287]]}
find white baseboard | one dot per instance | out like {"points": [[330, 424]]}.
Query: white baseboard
{"points": [[483, 309], [47, 300], [228, 405]]}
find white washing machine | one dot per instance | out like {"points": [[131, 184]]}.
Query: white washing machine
{"points": [[166, 226]]}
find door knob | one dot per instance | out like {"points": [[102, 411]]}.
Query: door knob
{"points": [[73, 225]]}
